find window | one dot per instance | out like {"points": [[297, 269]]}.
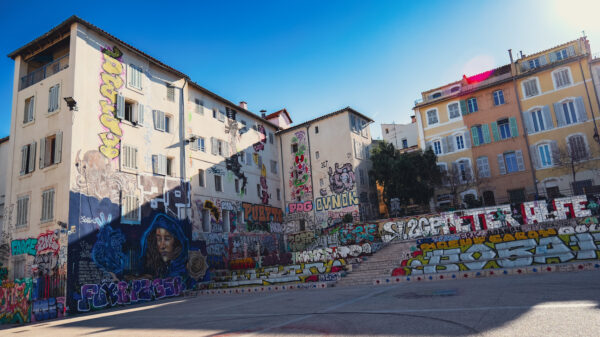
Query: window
{"points": [[404, 143], [159, 164], [534, 63], [460, 142], [271, 138], [455, 89], [483, 167], [200, 144], [278, 194], [221, 116], [453, 111], [199, 106], [464, 170], [387, 131], [249, 158], [130, 208], [230, 113], [215, 113], [510, 159], [168, 124], [504, 128], [432, 117], [477, 134], [472, 105], [316, 129], [498, 97], [561, 54], [436, 95], [437, 147], [294, 148], [53, 98], [135, 77], [561, 78], [273, 167], [236, 184], [538, 120], [530, 88], [219, 147], [129, 112], [160, 121], [50, 150], [170, 166], [129, 157], [553, 192], [201, 177], [170, 93], [19, 267], [206, 220], [22, 210], [28, 158], [577, 148], [29, 109], [218, 183], [545, 157], [317, 154], [569, 112]]}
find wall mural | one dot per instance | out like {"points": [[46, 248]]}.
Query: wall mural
{"points": [[15, 301], [233, 162], [258, 147], [300, 187], [111, 81], [341, 179]]}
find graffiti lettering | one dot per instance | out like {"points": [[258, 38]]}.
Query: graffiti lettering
{"points": [[341, 200], [25, 246], [306, 206], [261, 213], [111, 82]]}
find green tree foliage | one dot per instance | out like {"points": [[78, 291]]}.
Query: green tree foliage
{"points": [[411, 177]]}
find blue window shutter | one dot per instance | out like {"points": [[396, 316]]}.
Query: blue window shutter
{"points": [[463, 107], [485, 130], [495, 131], [475, 136], [580, 106], [552, 57], [501, 165], [548, 123], [514, 130], [560, 114], [120, 107], [520, 161]]}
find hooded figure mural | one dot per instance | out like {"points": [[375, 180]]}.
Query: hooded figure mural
{"points": [[164, 248]]}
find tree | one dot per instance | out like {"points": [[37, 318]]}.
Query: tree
{"points": [[408, 177], [575, 156], [459, 178]]}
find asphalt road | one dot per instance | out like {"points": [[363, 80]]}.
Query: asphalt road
{"points": [[553, 304]]}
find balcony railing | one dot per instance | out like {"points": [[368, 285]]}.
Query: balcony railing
{"points": [[45, 71]]}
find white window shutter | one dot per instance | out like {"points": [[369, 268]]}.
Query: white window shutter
{"points": [[548, 123], [225, 149], [140, 114], [154, 164], [444, 145], [580, 106], [42, 152], [501, 164], [535, 156], [450, 143], [120, 107], [560, 114], [164, 165], [213, 146], [520, 161], [570, 51], [51, 99], [155, 119], [31, 109], [32, 148], [161, 119], [58, 148], [467, 139], [24, 157]]}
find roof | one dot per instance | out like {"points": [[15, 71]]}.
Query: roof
{"points": [[4, 140], [549, 49], [65, 25], [277, 113], [349, 109]]}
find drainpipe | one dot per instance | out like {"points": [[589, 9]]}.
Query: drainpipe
{"points": [[596, 135], [312, 185], [282, 171], [182, 143], [514, 80]]}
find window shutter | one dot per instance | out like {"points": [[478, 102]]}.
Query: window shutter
{"points": [[554, 151], [140, 114], [514, 130], [543, 60], [444, 145], [467, 139], [535, 157], [474, 134], [520, 161], [495, 131], [24, 157], [455, 171], [580, 106], [560, 115], [154, 164], [225, 149], [58, 148], [120, 107], [463, 107], [162, 164], [552, 57], [162, 121], [570, 51], [501, 165], [51, 99], [32, 148], [548, 123], [428, 145], [155, 119], [528, 121], [485, 130], [450, 143], [42, 152], [135, 153], [194, 144]]}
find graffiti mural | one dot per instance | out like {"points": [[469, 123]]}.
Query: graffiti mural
{"points": [[233, 162], [15, 301], [300, 187], [296, 207], [344, 199], [111, 81], [24, 246], [334, 253], [49, 308], [259, 217], [341, 179]]}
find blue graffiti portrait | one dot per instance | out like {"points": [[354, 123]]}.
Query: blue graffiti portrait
{"points": [[108, 249], [164, 248]]}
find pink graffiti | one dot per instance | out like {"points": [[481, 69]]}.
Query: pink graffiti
{"points": [[297, 207], [47, 243]]}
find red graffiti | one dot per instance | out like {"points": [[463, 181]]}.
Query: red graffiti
{"points": [[47, 243], [306, 206]]}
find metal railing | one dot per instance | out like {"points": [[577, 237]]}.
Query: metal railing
{"points": [[44, 72]]}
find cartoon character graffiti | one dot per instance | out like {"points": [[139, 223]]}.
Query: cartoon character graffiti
{"points": [[164, 248], [300, 170], [341, 179], [264, 189]]}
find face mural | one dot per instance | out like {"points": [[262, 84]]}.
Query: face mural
{"points": [[164, 248]]}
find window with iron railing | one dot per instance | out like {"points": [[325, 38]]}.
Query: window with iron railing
{"points": [[44, 72]]}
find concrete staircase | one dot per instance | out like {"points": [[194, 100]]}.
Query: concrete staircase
{"points": [[378, 265]]}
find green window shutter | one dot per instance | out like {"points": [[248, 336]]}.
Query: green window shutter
{"points": [[495, 131], [474, 136], [486, 133], [463, 107], [514, 130]]}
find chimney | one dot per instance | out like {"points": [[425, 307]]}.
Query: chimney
{"points": [[263, 113], [243, 105], [413, 118]]}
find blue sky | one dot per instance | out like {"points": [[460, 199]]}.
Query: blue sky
{"points": [[314, 57]]}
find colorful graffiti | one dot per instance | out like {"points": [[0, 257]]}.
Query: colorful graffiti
{"points": [[233, 162], [15, 301], [49, 308], [341, 179], [109, 294], [111, 81], [344, 199], [23, 246], [254, 215], [300, 241], [334, 253], [358, 233], [300, 188], [520, 249], [295, 207]]}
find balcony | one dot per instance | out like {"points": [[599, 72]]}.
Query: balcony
{"points": [[44, 71]]}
